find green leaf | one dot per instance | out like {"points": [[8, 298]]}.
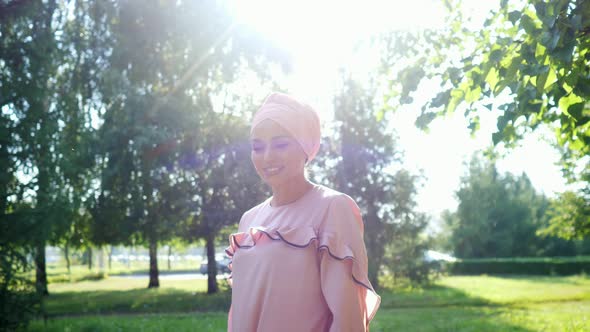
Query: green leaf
{"points": [[441, 99], [575, 110], [541, 80], [550, 38], [577, 145], [424, 119], [565, 53], [583, 86], [457, 96], [567, 101], [492, 78], [496, 138], [474, 124], [527, 23], [513, 16], [496, 55], [528, 52], [473, 95], [551, 79]]}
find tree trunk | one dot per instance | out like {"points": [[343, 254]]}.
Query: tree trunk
{"points": [[89, 251], [129, 251], [154, 281], [40, 270], [169, 254], [211, 264], [110, 257], [67, 257], [42, 154], [373, 273], [101, 259]]}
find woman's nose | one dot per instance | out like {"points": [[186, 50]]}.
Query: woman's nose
{"points": [[269, 154]]}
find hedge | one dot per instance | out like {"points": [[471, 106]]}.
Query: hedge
{"points": [[533, 266]]}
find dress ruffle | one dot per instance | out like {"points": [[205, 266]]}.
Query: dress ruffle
{"points": [[303, 237]]}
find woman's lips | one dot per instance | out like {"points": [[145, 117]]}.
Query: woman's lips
{"points": [[270, 171]]}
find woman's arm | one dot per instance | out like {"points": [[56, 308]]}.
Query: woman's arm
{"points": [[342, 294], [343, 267]]}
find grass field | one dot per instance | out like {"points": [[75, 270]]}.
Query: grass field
{"points": [[457, 303]]}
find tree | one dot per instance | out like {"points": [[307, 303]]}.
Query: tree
{"points": [[528, 63], [158, 95], [365, 155], [225, 183], [30, 100], [569, 214], [47, 79], [498, 216]]}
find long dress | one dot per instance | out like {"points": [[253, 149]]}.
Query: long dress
{"points": [[301, 267]]}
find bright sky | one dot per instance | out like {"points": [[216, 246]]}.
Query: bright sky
{"points": [[321, 36]]}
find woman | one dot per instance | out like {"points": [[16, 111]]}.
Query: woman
{"points": [[298, 259]]}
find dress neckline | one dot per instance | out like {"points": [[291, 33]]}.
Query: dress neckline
{"points": [[295, 202]]}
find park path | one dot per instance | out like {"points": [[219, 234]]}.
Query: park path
{"points": [[171, 276]]}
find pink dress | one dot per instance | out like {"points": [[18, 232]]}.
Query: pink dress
{"points": [[301, 267]]}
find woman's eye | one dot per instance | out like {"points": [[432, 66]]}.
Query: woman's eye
{"points": [[257, 148], [281, 146]]}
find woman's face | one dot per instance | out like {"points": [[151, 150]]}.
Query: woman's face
{"points": [[276, 155]]}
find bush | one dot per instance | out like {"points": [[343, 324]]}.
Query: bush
{"points": [[18, 300], [531, 266]]}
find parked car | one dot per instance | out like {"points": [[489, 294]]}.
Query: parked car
{"points": [[438, 260], [222, 264]]}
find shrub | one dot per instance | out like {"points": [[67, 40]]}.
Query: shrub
{"points": [[532, 266], [18, 300]]}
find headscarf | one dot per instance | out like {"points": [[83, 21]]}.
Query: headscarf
{"points": [[298, 118]]}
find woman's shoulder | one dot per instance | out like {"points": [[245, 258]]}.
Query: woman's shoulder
{"points": [[341, 209], [254, 210], [335, 198]]}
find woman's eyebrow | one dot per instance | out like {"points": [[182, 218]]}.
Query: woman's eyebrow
{"points": [[272, 139], [281, 137]]}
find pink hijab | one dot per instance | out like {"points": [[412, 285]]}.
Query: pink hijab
{"points": [[298, 118]]}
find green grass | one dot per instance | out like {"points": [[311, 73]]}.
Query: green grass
{"points": [[125, 295], [563, 316], [144, 323], [457, 303]]}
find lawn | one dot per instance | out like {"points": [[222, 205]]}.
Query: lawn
{"points": [[456, 303]]}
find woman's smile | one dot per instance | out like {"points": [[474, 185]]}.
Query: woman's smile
{"points": [[272, 170]]}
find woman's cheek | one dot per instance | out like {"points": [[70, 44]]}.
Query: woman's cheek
{"points": [[255, 157]]}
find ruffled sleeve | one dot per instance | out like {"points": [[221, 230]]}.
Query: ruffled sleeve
{"points": [[344, 269]]}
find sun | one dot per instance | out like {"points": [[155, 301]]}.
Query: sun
{"points": [[323, 36]]}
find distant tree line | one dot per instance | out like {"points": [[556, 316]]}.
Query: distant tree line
{"points": [[502, 215]]}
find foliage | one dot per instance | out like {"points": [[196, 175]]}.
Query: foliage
{"points": [[18, 299], [360, 162], [167, 151], [527, 64], [522, 266], [227, 183], [569, 216], [47, 79], [498, 216], [104, 108]]}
